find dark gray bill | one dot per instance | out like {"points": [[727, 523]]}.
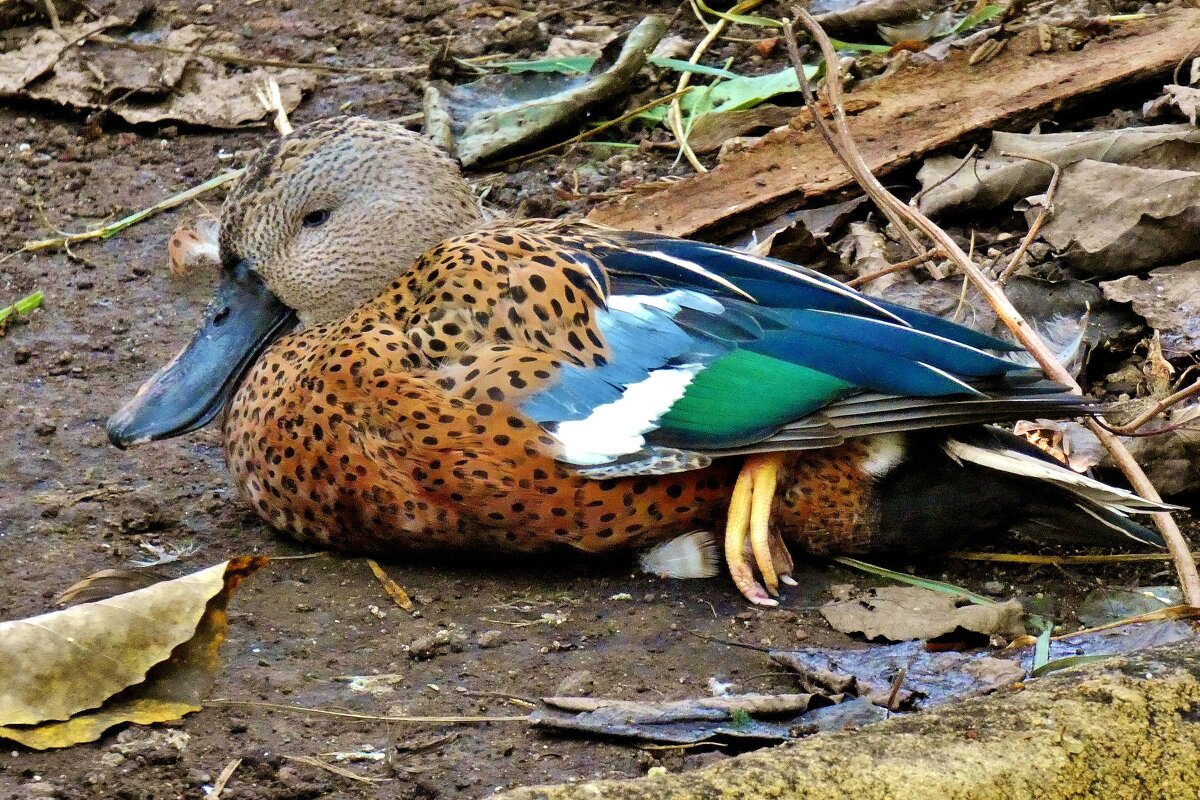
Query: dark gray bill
{"points": [[243, 319]]}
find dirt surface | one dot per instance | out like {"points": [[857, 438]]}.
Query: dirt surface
{"points": [[70, 504]]}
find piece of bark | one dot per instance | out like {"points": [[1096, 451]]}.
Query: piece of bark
{"points": [[918, 110], [1124, 728]]}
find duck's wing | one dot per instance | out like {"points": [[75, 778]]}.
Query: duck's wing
{"points": [[702, 351]]}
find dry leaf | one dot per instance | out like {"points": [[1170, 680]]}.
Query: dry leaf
{"points": [[997, 177], [142, 86], [800, 236], [1113, 220], [220, 101], [1169, 299], [709, 131], [19, 67], [898, 613], [1185, 99], [863, 252], [144, 656]]}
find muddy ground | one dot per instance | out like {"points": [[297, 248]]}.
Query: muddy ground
{"points": [[70, 504]]}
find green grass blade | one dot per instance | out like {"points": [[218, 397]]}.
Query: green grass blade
{"points": [[1041, 650], [978, 18], [913, 580], [1067, 663], [22, 306]]}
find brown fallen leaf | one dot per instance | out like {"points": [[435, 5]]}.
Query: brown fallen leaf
{"points": [[394, 590], [899, 613], [710, 131], [143, 86], [23, 65], [1112, 220], [1169, 299], [144, 656], [1000, 176]]}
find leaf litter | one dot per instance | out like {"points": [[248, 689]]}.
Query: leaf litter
{"points": [[143, 86]]}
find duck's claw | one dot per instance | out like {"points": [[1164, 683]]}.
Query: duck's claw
{"points": [[750, 518]]}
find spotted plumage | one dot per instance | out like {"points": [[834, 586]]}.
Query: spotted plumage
{"points": [[451, 384]]}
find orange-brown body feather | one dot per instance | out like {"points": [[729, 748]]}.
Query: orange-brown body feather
{"points": [[399, 428]]}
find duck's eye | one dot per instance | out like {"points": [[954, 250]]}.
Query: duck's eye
{"points": [[314, 218]]}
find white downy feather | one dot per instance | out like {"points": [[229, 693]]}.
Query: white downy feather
{"points": [[692, 555]]}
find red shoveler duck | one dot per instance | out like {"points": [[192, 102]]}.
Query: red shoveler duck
{"points": [[398, 375]]}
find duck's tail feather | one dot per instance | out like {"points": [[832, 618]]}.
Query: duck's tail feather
{"points": [[1074, 508]]}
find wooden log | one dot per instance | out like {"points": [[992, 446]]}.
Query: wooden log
{"points": [[903, 117]]}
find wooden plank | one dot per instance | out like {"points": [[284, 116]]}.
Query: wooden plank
{"points": [[906, 116]]}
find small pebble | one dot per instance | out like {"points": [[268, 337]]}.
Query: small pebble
{"points": [[490, 639]]}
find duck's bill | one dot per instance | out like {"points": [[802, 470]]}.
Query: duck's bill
{"points": [[185, 395]]}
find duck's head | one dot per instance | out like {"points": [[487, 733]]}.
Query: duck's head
{"points": [[319, 223]]}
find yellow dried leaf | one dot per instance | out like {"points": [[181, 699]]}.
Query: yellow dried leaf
{"points": [[89, 726], [146, 655]]}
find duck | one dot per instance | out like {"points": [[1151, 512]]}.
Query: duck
{"points": [[398, 374]]}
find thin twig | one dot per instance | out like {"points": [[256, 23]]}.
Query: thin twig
{"points": [[113, 228], [336, 770], [674, 113], [916, 198], [915, 261], [1185, 566], [1183, 424], [271, 100], [1044, 214], [1168, 613], [223, 779], [249, 61], [1131, 428], [1062, 561], [894, 695], [52, 13], [374, 717], [588, 133], [848, 155]]}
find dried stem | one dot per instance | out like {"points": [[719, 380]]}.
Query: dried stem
{"points": [[52, 13], [1038, 222], [915, 261], [223, 780], [113, 228], [1131, 428], [328, 712], [842, 145], [1063, 561], [590, 132], [1185, 566], [675, 112], [248, 61]]}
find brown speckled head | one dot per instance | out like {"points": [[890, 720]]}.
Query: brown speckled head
{"points": [[332, 213]]}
